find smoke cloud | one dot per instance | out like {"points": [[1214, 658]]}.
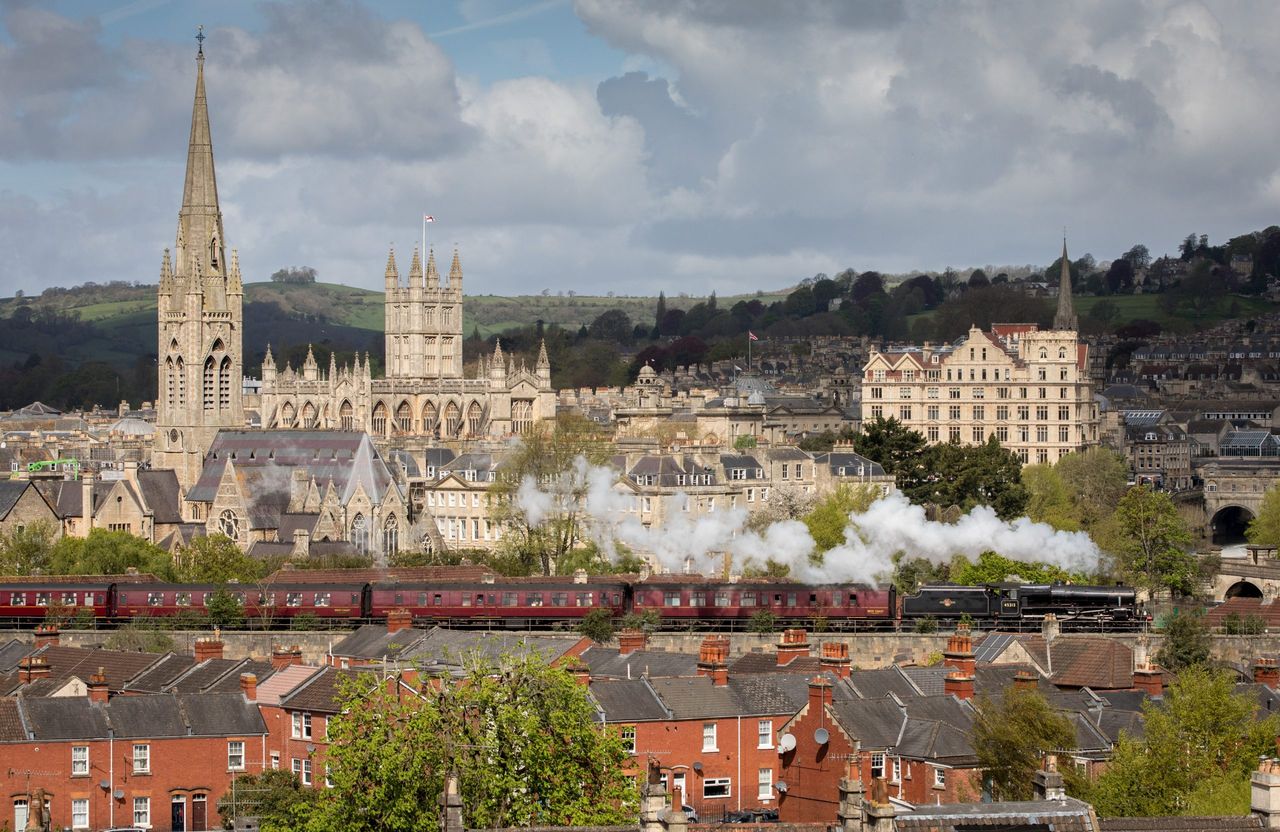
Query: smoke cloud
{"points": [[691, 542]]}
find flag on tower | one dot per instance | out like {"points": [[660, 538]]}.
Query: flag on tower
{"points": [[752, 335], [428, 218]]}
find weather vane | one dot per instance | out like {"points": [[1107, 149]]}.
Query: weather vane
{"points": [[200, 39]]}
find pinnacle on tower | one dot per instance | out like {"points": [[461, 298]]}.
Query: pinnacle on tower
{"points": [[392, 274], [543, 361], [1066, 315], [455, 271], [433, 277], [415, 268], [166, 274], [234, 284]]}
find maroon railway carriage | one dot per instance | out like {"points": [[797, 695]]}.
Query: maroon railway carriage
{"points": [[28, 600], [697, 598], [327, 602], [512, 602]]}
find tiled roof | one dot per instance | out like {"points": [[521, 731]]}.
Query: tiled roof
{"points": [[1067, 815], [11, 652], [283, 682], [1091, 661], [321, 693], [768, 663], [1183, 824], [168, 668]]}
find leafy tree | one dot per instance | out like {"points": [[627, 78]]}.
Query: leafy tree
{"points": [[27, 550], [1048, 500], [1151, 543], [763, 621], [521, 736], [612, 325], [225, 609], [106, 552], [275, 796], [661, 311], [829, 518], [967, 476], [887, 441], [978, 279], [745, 442], [1186, 642], [1198, 746], [991, 568], [1139, 256], [1096, 479], [142, 634], [216, 559], [1264, 530], [1012, 735], [909, 573], [597, 625], [649, 620]]}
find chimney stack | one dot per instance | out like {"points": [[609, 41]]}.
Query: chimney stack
{"points": [[959, 653], [46, 636], [31, 668], [849, 811], [398, 620], [1024, 680], [877, 808], [794, 645], [958, 684], [208, 648], [1266, 672], [282, 657], [1264, 793], [98, 686], [1149, 679], [819, 694], [630, 641], [1047, 783], [835, 658], [249, 686], [713, 660], [1050, 628]]}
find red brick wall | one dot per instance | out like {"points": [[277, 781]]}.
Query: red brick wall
{"points": [[180, 767], [282, 742]]}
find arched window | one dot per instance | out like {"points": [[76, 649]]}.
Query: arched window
{"points": [[308, 416], [229, 524], [474, 415], [170, 382], [360, 534], [452, 419], [347, 414], [224, 383], [286, 415], [522, 416], [380, 419], [209, 382], [404, 418], [430, 418], [390, 535], [181, 369], [1044, 353]]}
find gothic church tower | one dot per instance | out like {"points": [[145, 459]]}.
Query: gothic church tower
{"points": [[200, 316]]}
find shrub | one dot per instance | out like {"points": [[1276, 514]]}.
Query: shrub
{"points": [[763, 621], [597, 625]]}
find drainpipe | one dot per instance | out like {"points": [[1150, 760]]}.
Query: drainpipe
{"points": [[111, 773], [739, 763]]}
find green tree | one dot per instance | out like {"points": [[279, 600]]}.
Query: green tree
{"points": [[763, 621], [1048, 500], [967, 476], [991, 568], [275, 796], [216, 559], [106, 552], [1198, 746], [597, 625], [1264, 530], [829, 518], [1096, 479], [1151, 543], [1186, 642], [225, 609], [1012, 735], [887, 441], [521, 736], [745, 442], [27, 550]]}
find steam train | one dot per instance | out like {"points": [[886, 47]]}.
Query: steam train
{"points": [[492, 601]]}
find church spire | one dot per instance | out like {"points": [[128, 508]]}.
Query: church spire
{"points": [[1066, 316], [200, 218]]}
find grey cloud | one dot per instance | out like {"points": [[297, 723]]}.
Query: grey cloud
{"points": [[682, 148], [1128, 98]]}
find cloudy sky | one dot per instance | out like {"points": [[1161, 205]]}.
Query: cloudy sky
{"points": [[595, 145]]}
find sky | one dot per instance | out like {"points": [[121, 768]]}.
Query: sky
{"points": [[614, 145]]}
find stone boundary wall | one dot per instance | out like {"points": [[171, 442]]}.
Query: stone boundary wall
{"points": [[866, 650]]}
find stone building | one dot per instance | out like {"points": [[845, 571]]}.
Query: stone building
{"points": [[1028, 388]]}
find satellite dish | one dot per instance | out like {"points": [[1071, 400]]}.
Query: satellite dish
{"points": [[786, 743], [782, 786], [697, 766], [821, 736]]}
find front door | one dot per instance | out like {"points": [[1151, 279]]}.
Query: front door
{"points": [[178, 814], [198, 807], [20, 813]]}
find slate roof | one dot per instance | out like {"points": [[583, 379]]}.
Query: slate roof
{"points": [[162, 494], [628, 700], [155, 715], [10, 492], [119, 666], [222, 714], [64, 718], [204, 674], [230, 682], [928, 680], [1182, 824], [1067, 815], [877, 684], [697, 697], [11, 652], [874, 723], [608, 662], [164, 671], [762, 662], [443, 646], [11, 727], [372, 641], [853, 465], [320, 692]]}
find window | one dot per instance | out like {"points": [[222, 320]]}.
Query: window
{"points": [[293, 599], [275, 760], [628, 735], [897, 769], [939, 778], [79, 760], [765, 782], [979, 412], [764, 733], [953, 412], [80, 813], [933, 433], [708, 736], [671, 599], [877, 765], [323, 599], [714, 787], [302, 726], [932, 412], [42, 599], [306, 772], [182, 599], [748, 599], [142, 759], [235, 755]]}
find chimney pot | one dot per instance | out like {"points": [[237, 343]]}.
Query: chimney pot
{"points": [[630, 641], [398, 620], [958, 684], [208, 648], [249, 686]]}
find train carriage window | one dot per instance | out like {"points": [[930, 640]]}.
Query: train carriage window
{"points": [[748, 599], [266, 599], [671, 599], [323, 599], [813, 599], [399, 597], [436, 600], [722, 599], [493, 600], [479, 600], [559, 599], [293, 599], [182, 599], [583, 599], [18, 599], [422, 599], [508, 599], [836, 598], [355, 598], [791, 599], [699, 599], [853, 599], [69, 598], [777, 599], [533, 599], [42, 599], [155, 599], [466, 599], [240, 597]]}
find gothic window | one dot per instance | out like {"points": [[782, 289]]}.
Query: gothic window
{"points": [[308, 416], [208, 383], [286, 415], [404, 418], [171, 382], [391, 535], [181, 369], [229, 524], [1062, 352], [473, 419], [360, 534], [380, 419], [430, 416], [224, 384], [1044, 353], [452, 419], [347, 415], [522, 416]]}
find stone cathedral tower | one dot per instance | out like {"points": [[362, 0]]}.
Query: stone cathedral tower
{"points": [[200, 316]]}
